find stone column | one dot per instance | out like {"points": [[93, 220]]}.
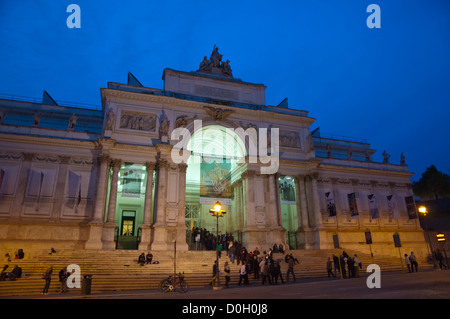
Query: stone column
{"points": [[60, 188], [110, 227], [145, 228], [315, 194], [181, 222], [302, 208], [277, 231], [116, 163], [95, 226], [21, 187], [159, 224], [238, 206], [99, 208]]}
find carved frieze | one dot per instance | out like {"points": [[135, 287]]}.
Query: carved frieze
{"points": [[290, 139], [138, 121]]}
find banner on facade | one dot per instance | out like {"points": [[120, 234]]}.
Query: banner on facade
{"points": [[373, 207], [392, 207], [215, 180], [352, 205], [131, 181], [411, 207], [287, 190], [331, 206]]}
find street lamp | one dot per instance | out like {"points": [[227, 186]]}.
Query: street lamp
{"points": [[218, 212], [424, 212]]}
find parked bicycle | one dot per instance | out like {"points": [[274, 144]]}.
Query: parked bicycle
{"points": [[174, 283]]}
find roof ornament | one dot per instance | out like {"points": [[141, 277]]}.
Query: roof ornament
{"points": [[215, 65]]}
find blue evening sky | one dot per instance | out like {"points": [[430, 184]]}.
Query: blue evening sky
{"points": [[390, 86]]}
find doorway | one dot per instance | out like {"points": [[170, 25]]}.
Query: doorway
{"points": [[127, 238]]}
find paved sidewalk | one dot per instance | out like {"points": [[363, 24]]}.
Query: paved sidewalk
{"points": [[429, 284]]}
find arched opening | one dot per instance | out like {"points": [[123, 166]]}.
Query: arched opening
{"points": [[288, 207], [216, 163]]}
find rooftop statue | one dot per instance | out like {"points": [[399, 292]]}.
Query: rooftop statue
{"points": [[215, 65]]}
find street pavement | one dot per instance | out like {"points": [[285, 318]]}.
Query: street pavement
{"points": [[429, 284]]}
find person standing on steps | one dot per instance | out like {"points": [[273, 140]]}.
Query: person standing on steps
{"points": [[226, 270], [290, 268], [48, 278], [243, 274]]}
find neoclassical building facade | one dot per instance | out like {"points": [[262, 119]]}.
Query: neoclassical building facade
{"points": [[143, 170]]}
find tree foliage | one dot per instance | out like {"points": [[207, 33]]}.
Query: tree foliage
{"points": [[433, 184]]}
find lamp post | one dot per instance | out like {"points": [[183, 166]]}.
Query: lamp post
{"points": [[424, 212], [218, 212]]}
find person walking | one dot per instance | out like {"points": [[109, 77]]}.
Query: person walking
{"points": [[256, 270], [48, 278], [408, 262], [277, 273], [440, 258], [266, 273], [214, 274], [336, 264], [243, 274], [226, 270], [63, 275], [355, 266], [413, 260], [329, 268], [290, 268]]}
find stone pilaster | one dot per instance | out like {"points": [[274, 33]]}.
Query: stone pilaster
{"points": [[110, 227], [21, 187], [60, 188], [145, 228], [96, 225]]}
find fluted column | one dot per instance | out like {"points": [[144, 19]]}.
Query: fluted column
{"points": [[145, 227], [113, 191], [96, 225], [150, 167], [109, 228], [315, 194], [104, 161]]}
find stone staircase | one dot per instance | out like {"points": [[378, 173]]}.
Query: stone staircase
{"points": [[118, 270]]}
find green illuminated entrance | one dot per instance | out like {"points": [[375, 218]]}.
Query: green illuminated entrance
{"points": [[215, 164]]}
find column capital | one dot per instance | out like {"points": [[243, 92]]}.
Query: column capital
{"points": [[28, 156], [103, 158], [182, 167], [115, 164], [150, 166], [64, 159]]}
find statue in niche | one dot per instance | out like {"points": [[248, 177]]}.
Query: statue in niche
{"points": [[72, 121], [164, 126], [111, 119], [37, 118], [386, 157]]}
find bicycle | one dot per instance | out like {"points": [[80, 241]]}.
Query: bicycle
{"points": [[174, 283]]}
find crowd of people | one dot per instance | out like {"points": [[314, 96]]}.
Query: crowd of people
{"points": [[347, 266], [262, 265]]}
